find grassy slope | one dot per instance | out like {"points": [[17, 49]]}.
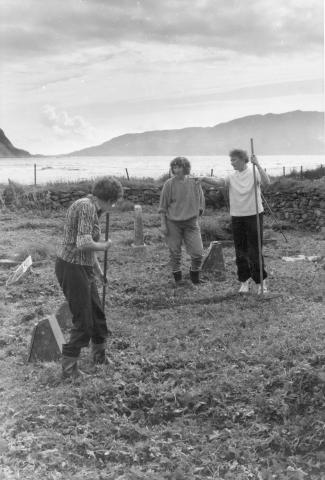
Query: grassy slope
{"points": [[205, 384]]}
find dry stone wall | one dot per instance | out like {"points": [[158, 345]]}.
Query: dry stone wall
{"points": [[147, 196], [303, 208]]}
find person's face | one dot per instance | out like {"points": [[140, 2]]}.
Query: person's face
{"points": [[105, 207], [237, 163], [178, 171]]}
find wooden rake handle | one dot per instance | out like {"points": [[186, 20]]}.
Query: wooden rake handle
{"points": [[105, 260], [258, 223]]}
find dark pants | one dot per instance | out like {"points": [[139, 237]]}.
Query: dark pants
{"points": [[246, 246], [88, 318]]}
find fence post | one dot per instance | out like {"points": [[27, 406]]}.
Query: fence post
{"points": [[35, 174], [284, 171], [301, 174], [211, 172], [127, 174]]}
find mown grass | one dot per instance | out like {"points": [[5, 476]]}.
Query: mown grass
{"points": [[206, 384]]}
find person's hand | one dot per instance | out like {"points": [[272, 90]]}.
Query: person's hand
{"points": [[254, 160], [164, 230], [101, 278], [107, 244], [99, 273]]}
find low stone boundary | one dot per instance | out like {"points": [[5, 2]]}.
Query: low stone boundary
{"points": [[301, 207]]}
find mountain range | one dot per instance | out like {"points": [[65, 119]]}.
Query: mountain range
{"points": [[291, 133]]}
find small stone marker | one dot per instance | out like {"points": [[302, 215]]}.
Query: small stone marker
{"points": [[213, 261], [138, 226], [47, 341], [64, 316], [138, 244]]}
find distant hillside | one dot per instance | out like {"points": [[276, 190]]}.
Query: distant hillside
{"points": [[8, 150], [291, 133]]}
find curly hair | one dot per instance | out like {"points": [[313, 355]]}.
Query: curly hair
{"points": [[241, 154], [108, 188], [181, 162]]}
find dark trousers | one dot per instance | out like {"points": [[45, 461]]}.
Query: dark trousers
{"points": [[246, 246], [88, 318]]}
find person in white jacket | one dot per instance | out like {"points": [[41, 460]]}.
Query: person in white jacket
{"points": [[240, 184]]}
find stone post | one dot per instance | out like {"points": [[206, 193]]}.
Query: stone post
{"points": [[138, 226], [138, 244]]}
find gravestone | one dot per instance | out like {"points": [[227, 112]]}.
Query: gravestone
{"points": [[47, 340], [214, 262]]}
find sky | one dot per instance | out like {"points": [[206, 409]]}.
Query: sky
{"points": [[75, 73]]}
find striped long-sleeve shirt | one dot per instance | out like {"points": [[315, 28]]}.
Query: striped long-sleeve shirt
{"points": [[81, 226]]}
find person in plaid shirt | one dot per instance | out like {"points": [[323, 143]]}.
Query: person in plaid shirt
{"points": [[76, 269]]}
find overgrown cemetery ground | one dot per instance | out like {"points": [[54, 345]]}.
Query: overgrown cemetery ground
{"points": [[205, 383]]}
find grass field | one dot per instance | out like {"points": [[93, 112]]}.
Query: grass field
{"points": [[206, 384]]}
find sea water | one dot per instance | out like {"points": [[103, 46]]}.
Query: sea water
{"points": [[52, 169]]}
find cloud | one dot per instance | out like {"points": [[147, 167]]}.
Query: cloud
{"points": [[63, 125], [144, 105], [256, 27]]}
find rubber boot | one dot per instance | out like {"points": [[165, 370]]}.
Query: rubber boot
{"points": [[70, 367], [195, 276], [177, 276], [99, 354]]}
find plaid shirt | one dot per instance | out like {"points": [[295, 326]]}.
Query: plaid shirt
{"points": [[81, 226]]}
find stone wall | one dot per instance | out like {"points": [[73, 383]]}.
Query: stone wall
{"points": [[147, 196], [305, 208]]}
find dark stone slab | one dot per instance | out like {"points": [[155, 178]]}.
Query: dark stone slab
{"points": [[214, 262], [47, 341]]}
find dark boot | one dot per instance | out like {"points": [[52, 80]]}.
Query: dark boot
{"points": [[99, 354], [177, 276], [70, 367], [195, 276]]}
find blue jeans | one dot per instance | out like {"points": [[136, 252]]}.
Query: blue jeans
{"points": [[189, 232]]}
